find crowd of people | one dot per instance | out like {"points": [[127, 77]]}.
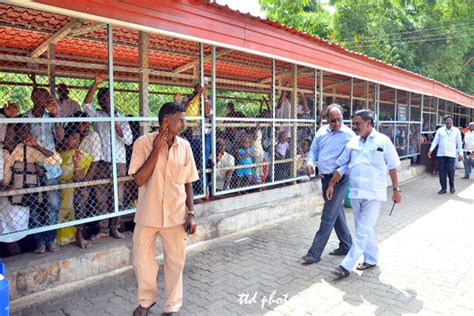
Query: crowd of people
{"points": [[38, 155], [44, 157], [43, 154], [244, 153]]}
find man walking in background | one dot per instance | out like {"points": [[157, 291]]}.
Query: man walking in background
{"points": [[448, 139]]}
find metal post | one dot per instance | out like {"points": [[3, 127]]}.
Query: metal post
{"points": [[421, 111], [273, 115], [396, 118], [214, 108], [437, 111], [110, 50], [377, 103], [351, 100], [213, 100], [321, 86], [143, 78], [51, 70], [409, 107], [294, 103], [366, 94], [315, 103]]}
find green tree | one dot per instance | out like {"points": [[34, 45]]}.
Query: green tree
{"points": [[303, 15], [432, 38]]}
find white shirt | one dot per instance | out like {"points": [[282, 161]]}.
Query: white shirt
{"points": [[67, 108], [226, 162], [92, 146], [368, 162], [448, 141], [103, 128], [469, 141]]}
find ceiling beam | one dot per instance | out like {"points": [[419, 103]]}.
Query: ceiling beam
{"points": [[192, 64], [62, 33], [337, 84], [88, 29]]}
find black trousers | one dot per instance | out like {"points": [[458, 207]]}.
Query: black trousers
{"points": [[446, 168]]}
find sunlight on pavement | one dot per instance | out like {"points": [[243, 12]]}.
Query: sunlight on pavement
{"points": [[424, 267]]}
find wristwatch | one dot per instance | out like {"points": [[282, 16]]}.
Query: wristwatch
{"points": [[188, 212], [397, 189]]}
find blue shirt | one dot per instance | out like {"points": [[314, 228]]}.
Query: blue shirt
{"points": [[44, 133], [448, 141], [327, 146], [245, 161], [368, 162]]}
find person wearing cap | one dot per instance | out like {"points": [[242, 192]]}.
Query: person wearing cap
{"points": [[327, 145], [448, 139], [163, 168], [368, 157], [66, 106], [469, 151]]}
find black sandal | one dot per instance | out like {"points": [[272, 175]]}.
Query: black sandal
{"points": [[364, 266]]}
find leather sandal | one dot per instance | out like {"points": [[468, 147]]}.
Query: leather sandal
{"points": [[364, 266], [340, 272]]}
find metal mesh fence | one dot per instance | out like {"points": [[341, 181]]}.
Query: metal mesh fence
{"points": [[77, 94]]}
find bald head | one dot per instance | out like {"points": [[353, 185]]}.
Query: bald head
{"points": [[334, 116]]}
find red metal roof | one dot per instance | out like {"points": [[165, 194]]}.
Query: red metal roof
{"points": [[207, 22]]}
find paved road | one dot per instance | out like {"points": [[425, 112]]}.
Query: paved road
{"points": [[426, 267]]}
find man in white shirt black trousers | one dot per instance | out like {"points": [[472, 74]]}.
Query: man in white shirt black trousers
{"points": [[448, 139]]}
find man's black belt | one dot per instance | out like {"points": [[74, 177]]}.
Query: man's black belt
{"points": [[329, 175]]}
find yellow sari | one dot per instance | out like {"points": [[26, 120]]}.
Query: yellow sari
{"points": [[66, 235]]}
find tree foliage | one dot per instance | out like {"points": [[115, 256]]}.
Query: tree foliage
{"points": [[432, 38]]}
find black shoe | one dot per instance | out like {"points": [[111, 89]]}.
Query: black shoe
{"points": [[338, 252], [452, 190], [465, 177], [307, 260], [171, 314], [340, 272], [142, 311], [442, 192]]}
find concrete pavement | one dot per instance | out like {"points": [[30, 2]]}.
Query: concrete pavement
{"points": [[425, 267]]}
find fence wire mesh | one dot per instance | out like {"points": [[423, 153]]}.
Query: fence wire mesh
{"points": [[67, 128]]}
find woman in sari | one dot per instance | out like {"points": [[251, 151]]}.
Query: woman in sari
{"points": [[75, 166]]}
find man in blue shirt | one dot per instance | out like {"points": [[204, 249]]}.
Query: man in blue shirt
{"points": [[448, 139], [368, 157], [327, 145]]}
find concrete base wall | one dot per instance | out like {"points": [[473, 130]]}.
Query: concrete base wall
{"points": [[36, 278]]}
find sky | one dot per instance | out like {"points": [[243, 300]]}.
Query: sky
{"points": [[244, 6], [253, 7]]}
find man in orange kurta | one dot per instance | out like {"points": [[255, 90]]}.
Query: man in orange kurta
{"points": [[163, 168]]}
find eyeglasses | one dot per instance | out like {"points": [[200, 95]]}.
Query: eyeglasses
{"points": [[335, 120]]}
